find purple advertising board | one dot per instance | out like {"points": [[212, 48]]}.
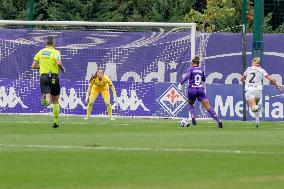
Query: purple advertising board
{"points": [[144, 66]]}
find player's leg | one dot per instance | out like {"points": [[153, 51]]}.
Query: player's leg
{"points": [[56, 110], [191, 94], [258, 95], [45, 99], [55, 92], [93, 96], [253, 100], [45, 90], [257, 113], [205, 103], [254, 108], [191, 111], [106, 97]]}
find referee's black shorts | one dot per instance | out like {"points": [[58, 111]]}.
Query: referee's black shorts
{"points": [[49, 83]]}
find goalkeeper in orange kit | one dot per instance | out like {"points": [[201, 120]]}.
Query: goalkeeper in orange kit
{"points": [[100, 83]]}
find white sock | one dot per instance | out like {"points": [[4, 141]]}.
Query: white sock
{"points": [[189, 116], [256, 117]]}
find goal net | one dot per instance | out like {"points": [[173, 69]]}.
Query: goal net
{"points": [[145, 61]]}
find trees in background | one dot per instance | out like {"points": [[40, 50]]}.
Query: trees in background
{"points": [[217, 15], [13, 9], [113, 10], [225, 15]]}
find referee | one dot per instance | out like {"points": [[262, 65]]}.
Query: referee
{"points": [[48, 60]]}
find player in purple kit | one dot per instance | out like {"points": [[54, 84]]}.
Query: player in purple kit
{"points": [[196, 77]]}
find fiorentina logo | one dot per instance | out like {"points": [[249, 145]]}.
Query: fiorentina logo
{"points": [[172, 100]]}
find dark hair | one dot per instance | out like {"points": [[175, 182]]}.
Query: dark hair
{"points": [[50, 40], [96, 74], [196, 60]]}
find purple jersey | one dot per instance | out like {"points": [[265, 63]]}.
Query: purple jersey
{"points": [[196, 77]]}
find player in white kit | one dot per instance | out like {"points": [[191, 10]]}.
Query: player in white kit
{"points": [[253, 78]]}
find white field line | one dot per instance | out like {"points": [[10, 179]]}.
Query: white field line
{"points": [[113, 148], [127, 124], [120, 124], [44, 122], [98, 116]]}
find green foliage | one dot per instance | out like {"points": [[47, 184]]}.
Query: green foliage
{"points": [[111, 11], [280, 29], [225, 15], [170, 10], [267, 28], [41, 10], [217, 16], [13, 9], [63, 10], [99, 10], [66, 10]]}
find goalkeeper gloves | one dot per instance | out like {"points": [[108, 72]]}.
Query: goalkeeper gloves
{"points": [[180, 87]]}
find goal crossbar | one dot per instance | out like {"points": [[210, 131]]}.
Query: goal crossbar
{"points": [[84, 23]]}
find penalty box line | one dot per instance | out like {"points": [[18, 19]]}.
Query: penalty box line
{"points": [[113, 148]]}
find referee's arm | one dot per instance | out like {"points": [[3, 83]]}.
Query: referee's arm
{"points": [[60, 65], [35, 65], [59, 62]]}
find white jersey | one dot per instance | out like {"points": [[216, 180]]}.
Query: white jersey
{"points": [[254, 76]]}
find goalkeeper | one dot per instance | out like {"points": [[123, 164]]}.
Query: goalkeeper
{"points": [[48, 60], [100, 83]]}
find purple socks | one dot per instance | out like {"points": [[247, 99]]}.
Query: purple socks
{"points": [[214, 115]]}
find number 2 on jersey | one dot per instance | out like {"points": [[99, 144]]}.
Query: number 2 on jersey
{"points": [[252, 77]]}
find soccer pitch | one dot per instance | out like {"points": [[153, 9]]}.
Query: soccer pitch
{"points": [[139, 153]]}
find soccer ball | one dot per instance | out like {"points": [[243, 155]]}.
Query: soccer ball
{"points": [[184, 122]]}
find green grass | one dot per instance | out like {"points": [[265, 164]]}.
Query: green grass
{"points": [[139, 153]]}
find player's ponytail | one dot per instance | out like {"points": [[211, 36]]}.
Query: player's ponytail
{"points": [[93, 77]]}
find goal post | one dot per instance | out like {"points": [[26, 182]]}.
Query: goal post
{"points": [[140, 57]]}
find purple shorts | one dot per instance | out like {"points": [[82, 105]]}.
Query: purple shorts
{"points": [[196, 93]]}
